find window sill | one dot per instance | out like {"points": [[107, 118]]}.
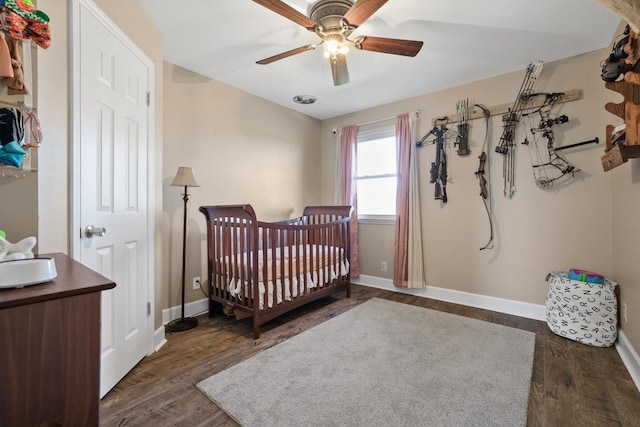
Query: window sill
{"points": [[377, 219]]}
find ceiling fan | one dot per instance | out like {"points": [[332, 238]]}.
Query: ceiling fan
{"points": [[334, 21]]}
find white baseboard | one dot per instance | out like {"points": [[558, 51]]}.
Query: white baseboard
{"points": [[158, 338], [629, 357], [190, 309], [626, 351], [501, 305]]}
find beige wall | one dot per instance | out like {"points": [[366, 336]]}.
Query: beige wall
{"points": [[626, 237], [53, 111], [242, 149], [18, 206], [583, 224]]}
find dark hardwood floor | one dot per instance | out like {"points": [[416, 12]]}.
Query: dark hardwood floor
{"points": [[572, 384]]}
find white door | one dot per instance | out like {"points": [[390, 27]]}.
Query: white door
{"points": [[113, 187]]}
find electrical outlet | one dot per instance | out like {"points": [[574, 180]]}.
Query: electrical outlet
{"points": [[625, 319], [383, 266], [196, 282]]}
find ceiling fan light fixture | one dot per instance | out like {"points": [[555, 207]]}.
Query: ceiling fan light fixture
{"points": [[331, 51], [334, 45]]}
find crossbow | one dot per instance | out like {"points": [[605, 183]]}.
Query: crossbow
{"points": [[438, 170]]}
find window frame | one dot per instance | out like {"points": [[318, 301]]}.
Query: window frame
{"points": [[371, 134]]}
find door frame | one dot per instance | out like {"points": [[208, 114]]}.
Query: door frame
{"points": [[75, 117]]}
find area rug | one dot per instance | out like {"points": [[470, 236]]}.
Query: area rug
{"points": [[384, 363]]}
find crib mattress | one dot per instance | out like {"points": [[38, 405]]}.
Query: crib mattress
{"points": [[290, 271]]}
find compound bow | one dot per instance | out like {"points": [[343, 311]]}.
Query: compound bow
{"points": [[551, 167]]}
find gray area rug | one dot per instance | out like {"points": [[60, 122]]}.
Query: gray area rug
{"points": [[384, 363]]}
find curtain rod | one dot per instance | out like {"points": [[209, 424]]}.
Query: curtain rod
{"points": [[382, 120], [375, 121]]}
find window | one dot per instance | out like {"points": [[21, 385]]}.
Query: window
{"points": [[376, 173]]}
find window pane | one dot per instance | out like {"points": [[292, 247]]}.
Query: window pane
{"points": [[377, 157], [377, 196]]}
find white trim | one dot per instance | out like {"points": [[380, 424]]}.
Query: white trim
{"points": [[158, 339], [629, 357], [74, 96], [194, 308], [501, 305]]}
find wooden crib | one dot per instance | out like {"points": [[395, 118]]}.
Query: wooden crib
{"points": [[264, 269]]}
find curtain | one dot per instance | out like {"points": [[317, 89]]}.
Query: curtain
{"points": [[408, 259], [347, 188]]}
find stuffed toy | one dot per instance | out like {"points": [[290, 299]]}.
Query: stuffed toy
{"points": [[13, 251]]}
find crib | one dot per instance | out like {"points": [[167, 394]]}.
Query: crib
{"points": [[265, 269]]}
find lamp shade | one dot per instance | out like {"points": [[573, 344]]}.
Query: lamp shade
{"points": [[184, 178]]}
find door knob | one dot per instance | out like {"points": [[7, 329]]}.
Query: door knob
{"points": [[91, 231]]}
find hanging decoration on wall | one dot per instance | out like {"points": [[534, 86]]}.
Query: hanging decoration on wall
{"points": [[462, 140], [483, 167], [20, 23], [510, 121], [21, 20], [438, 170]]}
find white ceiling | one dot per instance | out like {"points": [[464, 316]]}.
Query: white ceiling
{"points": [[464, 41]]}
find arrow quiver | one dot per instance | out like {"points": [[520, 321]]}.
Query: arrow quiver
{"points": [[462, 139]]}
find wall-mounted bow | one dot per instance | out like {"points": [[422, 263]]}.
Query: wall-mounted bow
{"points": [[481, 175]]}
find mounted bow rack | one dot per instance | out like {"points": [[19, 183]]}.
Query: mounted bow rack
{"points": [[531, 103]]}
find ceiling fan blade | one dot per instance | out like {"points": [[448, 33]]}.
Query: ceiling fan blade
{"points": [[385, 45], [362, 10], [339, 69], [286, 54], [288, 12]]}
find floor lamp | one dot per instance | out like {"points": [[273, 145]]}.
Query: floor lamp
{"points": [[184, 178]]}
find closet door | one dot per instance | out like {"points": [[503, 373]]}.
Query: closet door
{"points": [[113, 190]]}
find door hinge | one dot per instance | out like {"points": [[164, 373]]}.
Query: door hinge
{"points": [[148, 308], [148, 99]]}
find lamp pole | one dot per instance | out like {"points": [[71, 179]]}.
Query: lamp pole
{"points": [[184, 178], [184, 245]]}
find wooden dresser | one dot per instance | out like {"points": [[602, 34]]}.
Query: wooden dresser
{"points": [[50, 349]]}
